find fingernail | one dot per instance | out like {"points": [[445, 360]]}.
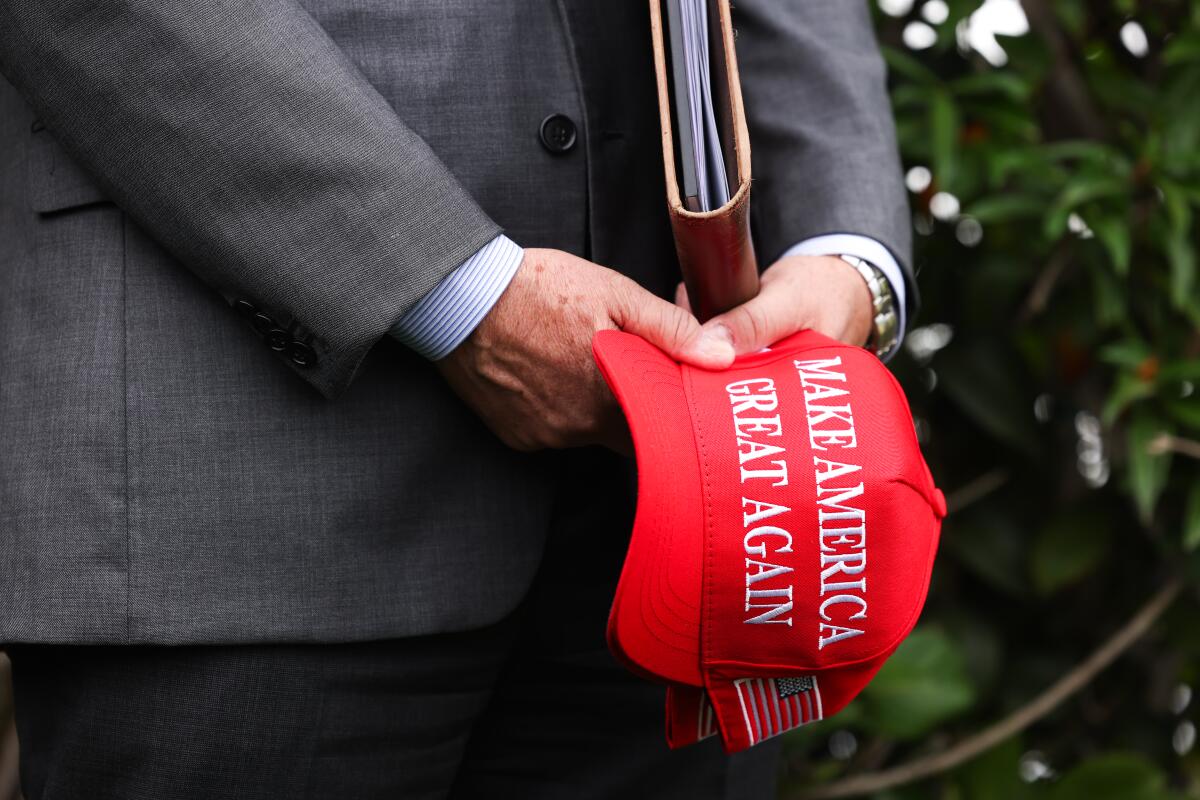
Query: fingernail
{"points": [[716, 344]]}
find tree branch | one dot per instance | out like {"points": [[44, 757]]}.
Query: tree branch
{"points": [[1015, 722], [1067, 90], [1043, 286], [1166, 443], [976, 489]]}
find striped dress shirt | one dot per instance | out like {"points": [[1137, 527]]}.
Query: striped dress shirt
{"points": [[444, 317]]}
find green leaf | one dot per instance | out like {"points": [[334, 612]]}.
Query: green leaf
{"points": [[1027, 55], [1028, 165], [993, 549], [994, 775], [1073, 15], [1068, 548], [1126, 92], [1185, 412], [921, 686], [1108, 298], [1113, 776], [1129, 353], [1078, 192], [913, 138], [980, 642], [988, 389], [905, 66], [1191, 518], [1085, 190], [1183, 369], [1114, 234], [1179, 213], [909, 95], [1003, 123], [1147, 471], [992, 83], [943, 129], [1007, 207], [1182, 257], [1128, 389], [1094, 153], [1182, 48], [1181, 129]]}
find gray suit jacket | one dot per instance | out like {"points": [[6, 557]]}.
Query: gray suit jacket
{"points": [[167, 169]]}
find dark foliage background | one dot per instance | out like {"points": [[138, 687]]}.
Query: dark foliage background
{"points": [[1054, 374]]}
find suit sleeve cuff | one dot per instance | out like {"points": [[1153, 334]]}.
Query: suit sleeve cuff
{"points": [[866, 248], [444, 317]]}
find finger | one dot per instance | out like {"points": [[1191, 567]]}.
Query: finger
{"points": [[681, 298], [668, 327], [769, 316]]}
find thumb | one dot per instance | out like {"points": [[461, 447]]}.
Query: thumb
{"points": [[681, 298], [759, 322], [668, 327]]}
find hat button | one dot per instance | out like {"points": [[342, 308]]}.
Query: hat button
{"points": [[939, 503]]}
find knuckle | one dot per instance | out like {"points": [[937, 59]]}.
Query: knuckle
{"points": [[629, 306], [679, 326], [754, 321], [622, 299]]}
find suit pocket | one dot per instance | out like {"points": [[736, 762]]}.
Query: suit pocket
{"points": [[56, 182]]}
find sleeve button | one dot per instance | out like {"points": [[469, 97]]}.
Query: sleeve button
{"points": [[262, 323], [301, 354], [278, 339]]}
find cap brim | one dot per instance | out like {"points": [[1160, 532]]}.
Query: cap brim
{"points": [[655, 621], [691, 717]]}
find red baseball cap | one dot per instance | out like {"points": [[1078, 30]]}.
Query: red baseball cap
{"points": [[762, 489]]}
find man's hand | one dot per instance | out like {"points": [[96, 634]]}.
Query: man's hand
{"points": [[527, 370], [822, 293]]}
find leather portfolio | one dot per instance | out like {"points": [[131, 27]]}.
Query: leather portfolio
{"points": [[706, 151]]}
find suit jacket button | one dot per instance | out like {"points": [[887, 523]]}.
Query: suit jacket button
{"points": [[558, 133], [301, 354], [278, 339], [262, 323]]}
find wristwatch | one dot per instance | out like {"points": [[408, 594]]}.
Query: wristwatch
{"points": [[885, 330]]}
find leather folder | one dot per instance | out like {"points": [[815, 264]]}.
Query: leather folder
{"points": [[716, 255]]}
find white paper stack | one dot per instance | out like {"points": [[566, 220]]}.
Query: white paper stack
{"points": [[704, 177]]}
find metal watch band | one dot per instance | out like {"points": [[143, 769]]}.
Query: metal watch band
{"points": [[885, 330]]}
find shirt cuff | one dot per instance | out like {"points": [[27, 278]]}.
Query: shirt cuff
{"points": [[866, 248], [444, 317]]}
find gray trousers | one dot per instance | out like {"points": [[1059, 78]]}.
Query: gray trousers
{"points": [[531, 707]]}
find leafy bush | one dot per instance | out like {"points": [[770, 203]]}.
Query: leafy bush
{"points": [[1054, 373]]}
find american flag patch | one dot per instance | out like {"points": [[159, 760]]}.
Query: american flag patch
{"points": [[771, 706]]}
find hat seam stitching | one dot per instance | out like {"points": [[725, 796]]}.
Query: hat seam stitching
{"points": [[689, 394], [706, 596]]}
